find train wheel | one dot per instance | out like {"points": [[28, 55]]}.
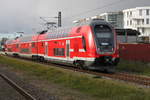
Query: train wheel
{"points": [[34, 58], [79, 64], [41, 59]]}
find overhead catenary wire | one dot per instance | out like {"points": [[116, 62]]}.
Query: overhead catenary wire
{"points": [[98, 8]]}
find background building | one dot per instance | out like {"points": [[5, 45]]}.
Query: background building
{"points": [[130, 24], [139, 19], [114, 18], [10, 35]]}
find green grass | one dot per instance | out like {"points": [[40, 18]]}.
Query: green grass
{"points": [[134, 66], [96, 87]]}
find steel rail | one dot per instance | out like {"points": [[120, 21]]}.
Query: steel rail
{"points": [[17, 87]]}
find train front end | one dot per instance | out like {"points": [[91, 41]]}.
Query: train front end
{"points": [[106, 53]]}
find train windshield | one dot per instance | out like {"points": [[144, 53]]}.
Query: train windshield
{"points": [[104, 38]]}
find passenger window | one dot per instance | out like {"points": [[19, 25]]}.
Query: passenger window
{"points": [[33, 45], [59, 52], [78, 30], [17, 45], [42, 44]]}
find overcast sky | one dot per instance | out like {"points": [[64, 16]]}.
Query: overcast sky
{"points": [[24, 15]]}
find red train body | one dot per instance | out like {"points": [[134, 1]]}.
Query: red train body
{"points": [[92, 45]]}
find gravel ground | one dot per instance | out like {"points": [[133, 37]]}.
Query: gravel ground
{"points": [[9, 93]]}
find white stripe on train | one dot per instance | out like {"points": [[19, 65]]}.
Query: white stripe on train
{"points": [[51, 57]]}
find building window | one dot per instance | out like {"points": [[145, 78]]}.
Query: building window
{"points": [[147, 21], [127, 22], [140, 12], [138, 29], [127, 14], [138, 22], [142, 21], [130, 22], [142, 30], [131, 13], [112, 17], [147, 11]]}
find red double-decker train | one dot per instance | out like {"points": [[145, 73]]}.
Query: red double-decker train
{"points": [[91, 45]]}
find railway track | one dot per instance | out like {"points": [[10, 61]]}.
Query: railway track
{"points": [[145, 81], [123, 76], [17, 88]]}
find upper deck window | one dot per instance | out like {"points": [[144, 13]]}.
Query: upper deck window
{"points": [[17, 45], [33, 45]]}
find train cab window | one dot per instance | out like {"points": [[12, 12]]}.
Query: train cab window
{"points": [[33, 45], [104, 38]]}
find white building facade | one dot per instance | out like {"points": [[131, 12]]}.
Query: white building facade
{"points": [[139, 19]]}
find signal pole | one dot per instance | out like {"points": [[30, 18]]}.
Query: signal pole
{"points": [[59, 19], [51, 25]]}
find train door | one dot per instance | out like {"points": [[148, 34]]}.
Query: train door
{"points": [[67, 48], [46, 48], [76, 47]]}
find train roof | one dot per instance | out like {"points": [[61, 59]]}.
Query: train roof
{"points": [[59, 32], [25, 38], [92, 22], [11, 41]]}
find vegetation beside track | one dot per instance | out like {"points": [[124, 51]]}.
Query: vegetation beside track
{"points": [[134, 66], [97, 87]]}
